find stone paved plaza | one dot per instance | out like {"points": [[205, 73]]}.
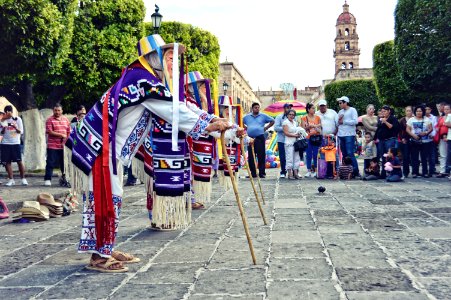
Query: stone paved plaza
{"points": [[359, 240]]}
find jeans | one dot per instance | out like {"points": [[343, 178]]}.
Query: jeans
{"points": [[55, 158], [312, 153], [442, 147], [260, 152], [424, 150], [405, 151], [385, 145], [393, 178], [432, 159], [347, 146], [283, 160], [448, 157]]}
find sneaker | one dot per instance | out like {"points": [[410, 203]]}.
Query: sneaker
{"points": [[403, 177], [47, 183], [314, 174], [308, 174], [24, 181], [10, 182], [282, 176]]}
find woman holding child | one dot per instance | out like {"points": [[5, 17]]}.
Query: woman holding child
{"points": [[292, 133], [312, 124]]}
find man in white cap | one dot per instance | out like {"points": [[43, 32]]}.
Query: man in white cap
{"points": [[281, 137], [329, 118], [347, 121]]}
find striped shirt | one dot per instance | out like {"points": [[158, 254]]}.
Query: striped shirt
{"points": [[344, 171], [59, 125]]}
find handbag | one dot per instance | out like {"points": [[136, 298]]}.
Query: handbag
{"points": [[316, 140], [300, 145]]}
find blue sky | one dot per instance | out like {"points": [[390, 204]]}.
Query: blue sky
{"points": [[272, 42]]}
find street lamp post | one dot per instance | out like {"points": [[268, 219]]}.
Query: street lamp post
{"points": [[156, 19], [225, 86]]}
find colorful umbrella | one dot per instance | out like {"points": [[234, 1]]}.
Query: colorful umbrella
{"points": [[276, 108]]}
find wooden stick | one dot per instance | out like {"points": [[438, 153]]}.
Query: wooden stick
{"points": [[252, 183], [258, 177], [237, 196]]}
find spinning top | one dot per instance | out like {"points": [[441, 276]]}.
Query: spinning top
{"points": [[321, 189]]}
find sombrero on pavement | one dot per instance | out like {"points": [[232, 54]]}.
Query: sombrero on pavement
{"points": [[33, 210]]}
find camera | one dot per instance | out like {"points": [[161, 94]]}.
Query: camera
{"points": [[10, 124]]}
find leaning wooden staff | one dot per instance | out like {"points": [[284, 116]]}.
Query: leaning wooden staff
{"points": [[253, 184], [258, 177], [237, 196]]}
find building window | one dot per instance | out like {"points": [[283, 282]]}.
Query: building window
{"points": [[347, 46], [346, 31], [339, 32], [343, 65], [351, 65]]}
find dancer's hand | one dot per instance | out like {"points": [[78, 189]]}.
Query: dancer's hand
{"points": [[240, 132], [251, 141], [218, 126]]}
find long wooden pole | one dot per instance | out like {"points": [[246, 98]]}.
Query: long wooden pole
{"points": [[252, 183], [237, 196], [258, 177]]}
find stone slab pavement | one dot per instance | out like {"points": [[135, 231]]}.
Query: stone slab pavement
{"points": [[358, 240]]}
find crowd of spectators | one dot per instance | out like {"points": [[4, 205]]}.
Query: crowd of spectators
{"points": [[392, 148]]}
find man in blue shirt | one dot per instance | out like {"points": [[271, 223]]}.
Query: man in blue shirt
{"points": [[281, 137], [256, 124]]}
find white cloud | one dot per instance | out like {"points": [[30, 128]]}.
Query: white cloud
{"points": [[271, 42]]}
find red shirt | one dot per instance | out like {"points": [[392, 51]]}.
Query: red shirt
{"points": [[59, 125]]}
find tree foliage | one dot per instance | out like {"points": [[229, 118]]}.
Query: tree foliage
{"points": [[360, 92], [390, 86], [105, 37], [34, 44], [422, 45], [202, 47]]}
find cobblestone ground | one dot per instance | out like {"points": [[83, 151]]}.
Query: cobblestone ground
{"points": [[358, 240]]}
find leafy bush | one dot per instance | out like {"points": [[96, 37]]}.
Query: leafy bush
{"points": [[360, 92]]}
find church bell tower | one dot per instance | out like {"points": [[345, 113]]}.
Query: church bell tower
{"points": [[347, 50]]}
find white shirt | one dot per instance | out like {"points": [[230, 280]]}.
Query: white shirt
{"points": [[448, 120], [350, 120], [329, 121], [292, 128], [434, 121], [11, 136]]}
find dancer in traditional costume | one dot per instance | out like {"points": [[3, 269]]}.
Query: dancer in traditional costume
{"points": [[111, 133], [203, 150], [232, 113]]}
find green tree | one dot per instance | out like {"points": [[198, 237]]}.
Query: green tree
{"points": [[390, 86], [202, 47], [422, 47], [360, 92], [105, 36], [34, 44]]}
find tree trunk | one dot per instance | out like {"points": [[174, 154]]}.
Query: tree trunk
{"points": [[28, 96], [55, 96]]}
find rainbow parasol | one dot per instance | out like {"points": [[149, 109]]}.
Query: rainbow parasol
{"points": [[276, 108]]}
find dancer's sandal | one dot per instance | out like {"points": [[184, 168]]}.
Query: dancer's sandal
{"points": [[154, 226], [106, 265], [125, 258], [197, 205]]}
